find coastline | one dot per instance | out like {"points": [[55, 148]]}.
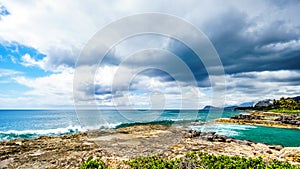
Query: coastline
{"points": [[255, 123], [114, 146], [267, 119]]}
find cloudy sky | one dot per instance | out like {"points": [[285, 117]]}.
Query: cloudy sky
{"points": [[258, 43]]}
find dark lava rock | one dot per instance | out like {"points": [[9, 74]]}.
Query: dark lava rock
{"points": [[209, 136]]}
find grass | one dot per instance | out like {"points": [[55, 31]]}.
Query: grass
{"points": [[287, 111], [196, 160]]}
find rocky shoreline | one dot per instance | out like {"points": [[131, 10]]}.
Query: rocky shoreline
{"points": [[69, 151], [270, 119]]}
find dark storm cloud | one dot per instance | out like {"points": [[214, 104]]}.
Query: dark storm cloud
{"points": [[191, 60], [242, 50], [163, 76], [91, 90], [244, 43]]}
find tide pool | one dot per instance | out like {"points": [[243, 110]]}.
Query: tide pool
{"points": [[267, 135]]}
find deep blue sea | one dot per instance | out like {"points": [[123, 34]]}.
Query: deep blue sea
{"points": [[27, 124]]}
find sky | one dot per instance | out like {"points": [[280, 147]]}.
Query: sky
{"points": [[258, 43]]}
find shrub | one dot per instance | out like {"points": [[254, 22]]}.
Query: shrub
{"points": [[93, 164], [195, 160]]}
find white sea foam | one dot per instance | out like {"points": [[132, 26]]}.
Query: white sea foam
{"points": [[16, 134], [56, 131], [102, 126], [10, 134], [223, 129]]}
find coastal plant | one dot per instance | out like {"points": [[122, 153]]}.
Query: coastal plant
{"points": [[285, 105], [195, 160], [287, 111], [209, 161], [91, 163]]}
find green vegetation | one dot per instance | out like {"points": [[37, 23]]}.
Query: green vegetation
{"points": [[204, 160], [285, 111], [91, 163], [283, 105], [286, 105]]}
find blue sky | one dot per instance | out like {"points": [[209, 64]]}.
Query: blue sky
{"points": [[258, 43]]}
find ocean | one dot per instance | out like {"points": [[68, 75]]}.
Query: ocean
{"points": [[28, 124]]}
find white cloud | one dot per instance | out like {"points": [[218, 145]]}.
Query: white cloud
{"points": [[28, 61], [54, 90], [280, 46], [56, 84], [8, 72], [13, 59], [34, 102], [105, 75], [280, 75], [255, 86]]}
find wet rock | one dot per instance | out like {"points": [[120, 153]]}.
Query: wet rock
{"points": [[229, 140], [272, 147], [276, 147], [211, 133], [222, 139], [192, 134]]}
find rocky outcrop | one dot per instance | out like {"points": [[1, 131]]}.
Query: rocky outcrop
{"points": [[116, 145], [247, 117], [208, 136], [265, 119], [46, 152], [263, 103], [292, 119]]}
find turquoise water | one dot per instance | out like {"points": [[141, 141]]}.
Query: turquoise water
{"points": [[268, 135], [27, 124]]}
